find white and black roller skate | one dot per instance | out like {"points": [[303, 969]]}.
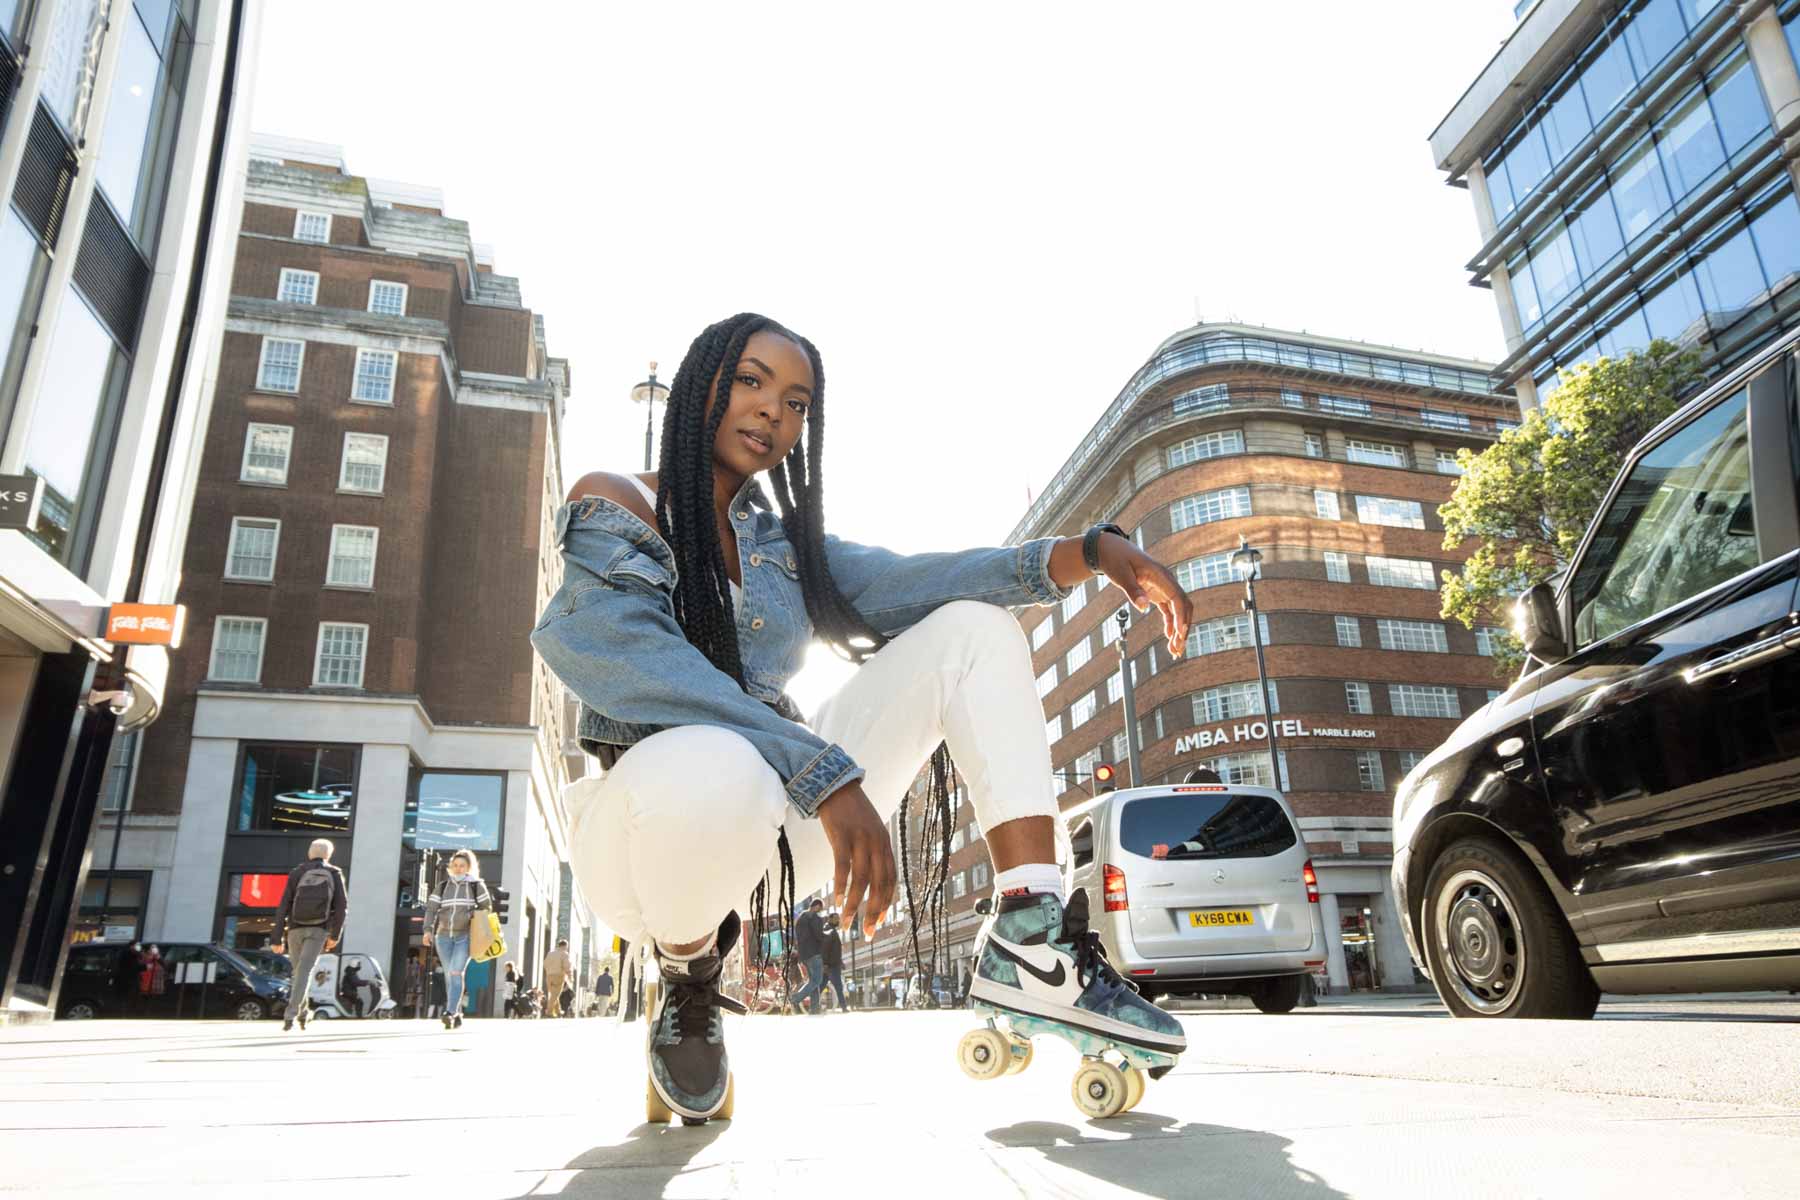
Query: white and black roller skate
{"points": [[1042, 970], [690, 1074]]}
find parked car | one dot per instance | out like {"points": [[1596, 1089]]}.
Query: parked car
{"points": [[1200, 888], [1626, 817], [267, 961], [198, 980]]}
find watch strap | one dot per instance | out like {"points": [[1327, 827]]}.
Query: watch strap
{"points": [[1090, 544]]}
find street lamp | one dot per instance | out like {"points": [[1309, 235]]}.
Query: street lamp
{"points": [[1123, 617], [1248, 560], [647, 394]]}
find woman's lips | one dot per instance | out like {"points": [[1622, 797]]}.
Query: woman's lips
{"points": [[756, 444]]}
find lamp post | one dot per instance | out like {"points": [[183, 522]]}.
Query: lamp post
{"points": [[647, 394], [1123, 617], [1248, 559]]}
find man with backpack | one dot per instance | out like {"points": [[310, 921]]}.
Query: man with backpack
{"points": [[311, 921]]}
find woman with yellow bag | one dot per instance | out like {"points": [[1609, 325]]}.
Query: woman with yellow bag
{"points": [[450, 917]]}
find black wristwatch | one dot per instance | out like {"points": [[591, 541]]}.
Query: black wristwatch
{"points": [[1090, 544]]}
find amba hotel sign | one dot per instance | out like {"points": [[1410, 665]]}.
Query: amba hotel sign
{"points": [[1256, 731]]}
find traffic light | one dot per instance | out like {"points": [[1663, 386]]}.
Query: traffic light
{"points": [[1105, 778], [502, 902]]}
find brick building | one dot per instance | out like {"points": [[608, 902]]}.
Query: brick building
{"points": [[1331, 457], [372, 539]]}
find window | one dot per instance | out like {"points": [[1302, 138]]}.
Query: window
{"points": [[1053, 729], [1207, 825], [1109, 631], [266, 452], [1208, 507], [1375, 454], [1232, 700], [388, 299], [352, 556], [114, 915], [1040, 633], [364, 467], [374, 376], [1046, 683], [1074, 602], [1121, 749], [978, 875], [1358, 700], [1210, 571], [1410, 759], [1438, 418], [1400, 572], [1211, 445], [289, 787], [1379, 510], [1078, 657], [298, 287], [1115, 688], [1344, 405], [1224, 633], [456, 810], [340, 657], [237, 648], [1427, 636], [1493, 694], [1315, 446], [1422, 700], [279, 370], [1291, 398], [1200, 399], [1337, 566], [1486, 639], [252, 553], [1447, 464], [1684, 521], [121, 765], [1349, 631], [959, 886], [1082, 711], [1325, 505], [1368, 771], [1247, 770], [312, 226]]}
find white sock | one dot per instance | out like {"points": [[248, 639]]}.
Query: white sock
{"points": [[1036, 878]]}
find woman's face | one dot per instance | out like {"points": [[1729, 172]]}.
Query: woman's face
{"points": [[459, 867], [769, 397]]}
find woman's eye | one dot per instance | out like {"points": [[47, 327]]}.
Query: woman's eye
{"points": [[798, 406], [751, 380]]}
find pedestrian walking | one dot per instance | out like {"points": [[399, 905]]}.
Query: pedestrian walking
{"points": [[448, 912], [603, 988], [687, 602], [311, 920], [509, 991], [557, 969], [809, 948], [831, 955]]}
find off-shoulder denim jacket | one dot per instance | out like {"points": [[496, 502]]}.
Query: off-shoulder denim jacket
{"points": [[610, 634]]}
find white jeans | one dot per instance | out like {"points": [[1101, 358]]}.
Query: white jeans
{"points": [[683, 827]]}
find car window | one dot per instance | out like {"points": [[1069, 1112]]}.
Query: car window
{"points": [[1205, 825], [90, 962], [1683, 521], [1081, 844]]}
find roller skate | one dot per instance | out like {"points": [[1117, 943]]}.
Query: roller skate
{"points": [[690, 1074], [1041, 970]]}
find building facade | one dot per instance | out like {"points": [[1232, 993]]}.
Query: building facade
{"points": [[1331, 458], [122, 136], [373, 536], [1633, 165]]}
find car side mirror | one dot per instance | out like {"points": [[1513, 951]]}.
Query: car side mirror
{"points": [[1538, 625]]}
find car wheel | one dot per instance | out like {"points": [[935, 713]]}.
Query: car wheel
{"points": [[384, 1014], [1277, 995], [81, 1010], [1497, 945], [250, 1010]]}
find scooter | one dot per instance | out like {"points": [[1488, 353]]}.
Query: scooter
{"points": [[361, 972]]}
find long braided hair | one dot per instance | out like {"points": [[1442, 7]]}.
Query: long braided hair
{"points": [[703, 607]]}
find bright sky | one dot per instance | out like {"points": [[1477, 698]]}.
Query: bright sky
{"points": [[986, 216]]}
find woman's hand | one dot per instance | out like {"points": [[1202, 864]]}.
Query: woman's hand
{"points": [[1148, 583], [428, 938], [862, 856]]}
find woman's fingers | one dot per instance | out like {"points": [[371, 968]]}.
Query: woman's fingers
{"points": [[881, 883], [859, 882]]}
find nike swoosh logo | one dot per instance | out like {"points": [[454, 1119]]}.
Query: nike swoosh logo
{"points": [[1052, 978], [1045, 965]]}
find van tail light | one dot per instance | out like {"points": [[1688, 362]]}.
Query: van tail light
{"points": [[1114, 888], [1312, 882]]}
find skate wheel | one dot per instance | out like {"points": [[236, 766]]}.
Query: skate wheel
{"points": [[983, 1054], [724, 1112], [1099, 1089], [1021, 1055], [655, 1111], [1135, 1086]]}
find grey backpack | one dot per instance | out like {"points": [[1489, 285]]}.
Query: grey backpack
{"points": [[313, 896]]}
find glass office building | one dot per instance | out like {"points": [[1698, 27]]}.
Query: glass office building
{"points": [[1632, 168]]}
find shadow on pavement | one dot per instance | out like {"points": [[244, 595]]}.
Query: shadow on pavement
{"points": [[649, 1159], [1167, 1157]]}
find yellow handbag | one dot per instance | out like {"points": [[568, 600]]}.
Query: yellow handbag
{"points": [[486, 942]]}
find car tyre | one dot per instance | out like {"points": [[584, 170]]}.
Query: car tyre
{"points": [[80, 1010], [1277, 995], [250, 1010], [1496, 942]]}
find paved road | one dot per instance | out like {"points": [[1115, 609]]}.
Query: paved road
{"points": [[1388, 1099]]}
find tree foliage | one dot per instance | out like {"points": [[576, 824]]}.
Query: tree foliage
{"points": [[1527, 499]]}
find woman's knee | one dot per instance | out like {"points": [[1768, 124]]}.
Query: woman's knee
{"points": [[981, 622]]}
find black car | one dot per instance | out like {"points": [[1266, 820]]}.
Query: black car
{"points": [[1626, 817], [198, 980]]}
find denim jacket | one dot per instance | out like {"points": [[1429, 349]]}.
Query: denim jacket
{"points": [[610, 634]]}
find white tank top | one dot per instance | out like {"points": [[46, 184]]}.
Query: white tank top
{"points": [[737, 593]]}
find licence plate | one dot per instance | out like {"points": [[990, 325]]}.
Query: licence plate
{"points": [[1221, 916]]}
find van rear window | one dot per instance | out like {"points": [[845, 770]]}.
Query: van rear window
{"points": [[1210, 825]]}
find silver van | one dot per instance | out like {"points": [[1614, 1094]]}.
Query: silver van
{"points": [[1200, 888]]}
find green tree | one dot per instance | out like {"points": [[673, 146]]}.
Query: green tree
{"points": [[1527, 499]]}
